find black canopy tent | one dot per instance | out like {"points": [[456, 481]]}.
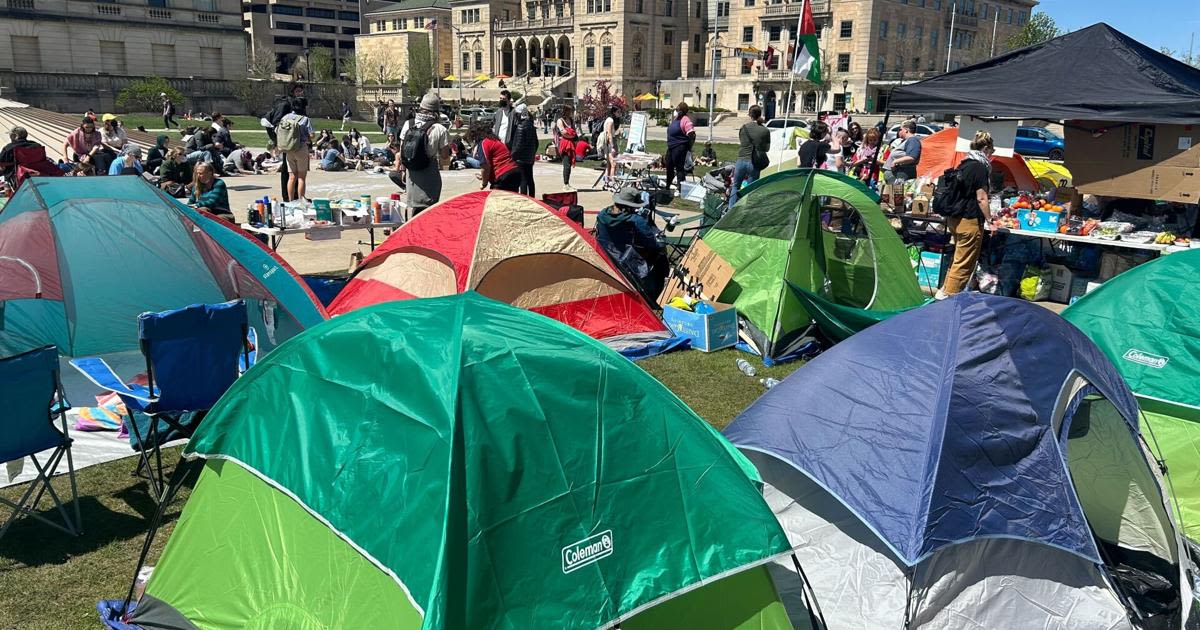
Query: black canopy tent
{"points": [[1097, 73]]}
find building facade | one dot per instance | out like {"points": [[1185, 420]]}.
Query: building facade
{"points": [[392, 29], [285, 29], [868, 47], [167, 38]]}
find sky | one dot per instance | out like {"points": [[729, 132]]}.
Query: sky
{"points": [[1155, 23]]}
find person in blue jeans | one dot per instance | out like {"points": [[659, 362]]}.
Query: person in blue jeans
{"points": [[754, 140]]}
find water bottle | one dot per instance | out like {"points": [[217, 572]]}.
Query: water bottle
{"points": [[746, 368], [768, 382]]}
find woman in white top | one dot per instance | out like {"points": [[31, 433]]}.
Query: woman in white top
{"points": [[608, 141], [112, 135]]}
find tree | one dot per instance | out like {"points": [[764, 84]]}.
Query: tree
{"points": [[349, 68], [143, 95], [262, 63], [1191, 59], [1040, 28], [374, 66], [420, 66], [596, 102], [320, 64]]}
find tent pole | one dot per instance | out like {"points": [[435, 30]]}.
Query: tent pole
{"points": [[995, 25], [950, 44]]}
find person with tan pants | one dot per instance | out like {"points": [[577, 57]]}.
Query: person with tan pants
{"points": [[966, 225]]}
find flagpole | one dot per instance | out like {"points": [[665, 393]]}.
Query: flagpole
{"points": [[950, 44], [791, 98]]}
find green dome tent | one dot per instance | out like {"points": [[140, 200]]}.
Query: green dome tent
{"points": [[459, 463], [825, 234], [1145, 320]]}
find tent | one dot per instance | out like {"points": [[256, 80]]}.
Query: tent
{"points": [[513, 249], [1049, 174], [1145, 322], [459, 463], [82, 257], [1140, 84], [975, 463], [825, 233], [938, 153]]}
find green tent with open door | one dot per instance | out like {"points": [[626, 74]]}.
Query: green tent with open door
{"points": [[1146, 320], [826, 235], [459, 463]]}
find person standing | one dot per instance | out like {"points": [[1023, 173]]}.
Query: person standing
{"points": [[905, 166], [608, 141], [391, 118], [424, 143], [754, 140], [681, 135], [504, 126], [567, 134], [297, 148], [524, 149], [814, 153], [345, 115], [970, 212], [168, 111]]}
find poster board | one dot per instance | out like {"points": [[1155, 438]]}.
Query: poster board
{"points": [[1004, 134], [705, 275], [637, 131]]}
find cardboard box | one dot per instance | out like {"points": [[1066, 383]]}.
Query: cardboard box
{"points": [[1132, 160], [920, 205], [705, 275], [1039, 220], [707, 331], [1114, 264], [1060, 283], [1081, 286]]}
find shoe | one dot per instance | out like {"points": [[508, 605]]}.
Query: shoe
{"points": [[940, 295], [568, 188]]}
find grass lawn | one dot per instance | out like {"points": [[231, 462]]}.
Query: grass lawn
{"points": [[51, 581], [247, 130]]}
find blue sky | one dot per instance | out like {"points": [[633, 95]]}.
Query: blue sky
{"points": [[1155, 23]]}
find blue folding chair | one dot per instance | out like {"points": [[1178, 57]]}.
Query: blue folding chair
{"points": [[193, 355], [32, 395]]}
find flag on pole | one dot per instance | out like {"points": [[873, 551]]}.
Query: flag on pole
{"points": [[431, 25], [808, 54]]}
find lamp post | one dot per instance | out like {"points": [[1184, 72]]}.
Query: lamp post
{"points": [[307, 65], [845, 84]]}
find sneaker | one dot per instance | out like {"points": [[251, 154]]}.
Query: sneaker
{"points": [[940, 295]]}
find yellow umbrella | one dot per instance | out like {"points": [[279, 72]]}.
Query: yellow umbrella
{"points": [[450, 77], [482, 77], [646, 97]]}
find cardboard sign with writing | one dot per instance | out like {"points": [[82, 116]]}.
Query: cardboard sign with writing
{"points": [[705, 275]]}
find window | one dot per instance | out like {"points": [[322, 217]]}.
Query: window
{"points": [[206, 5], [112, 57], [883, 29], [163, 58], [743, 102], [478, 61], [847, 29], [667, 61], [933, 37], [774, 33], [1024, 16], [396, 25], [466, 62], [696, 43], [899, 65], [558, 9], [843, 62], [284, 9], [258, 8], [839, 101], [747, 66], [380, 26], [289, 26], [700, 10], [880, 65], [747, 34], [669, 8], [668, 38], [920, 4], [937, 5], [419, 22], [748, 3], [901, 30], [348, 16], [27, 54], [918, 33], [161, 4], [322, 28], [637, 59], [606, 56], [324, 14], [640, 6], [212, 62], [289, 41], [1010, 16], [590, 55], [350, 30], [723, 9]]}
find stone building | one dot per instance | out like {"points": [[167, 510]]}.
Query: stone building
{"points": [[392, 28], [867, 48], [286, 28]]}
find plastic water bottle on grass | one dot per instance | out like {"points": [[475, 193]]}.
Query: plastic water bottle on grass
{"points": [[746, 368]]}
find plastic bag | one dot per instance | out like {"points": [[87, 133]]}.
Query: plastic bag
{"points": [[1035, 284]]}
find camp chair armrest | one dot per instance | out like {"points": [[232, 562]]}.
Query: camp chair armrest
{"points": [[99, 372]]}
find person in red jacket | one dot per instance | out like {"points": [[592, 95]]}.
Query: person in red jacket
{"points": [[499, 169]]}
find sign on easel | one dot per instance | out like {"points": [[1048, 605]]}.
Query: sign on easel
{"points": [[1004, 134], [637, 131]]}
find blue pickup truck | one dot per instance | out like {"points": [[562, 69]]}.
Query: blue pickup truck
{"points": [[1039, 142]]}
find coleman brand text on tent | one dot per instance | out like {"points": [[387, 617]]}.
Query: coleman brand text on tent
{"points": [[589, 550]]}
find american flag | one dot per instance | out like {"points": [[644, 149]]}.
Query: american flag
{"points": [[431, 25]]}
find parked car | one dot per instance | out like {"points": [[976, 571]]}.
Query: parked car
{"points": [[778, 123], [923, 129], [1039, 142]]}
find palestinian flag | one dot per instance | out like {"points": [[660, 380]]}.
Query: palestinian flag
{"points": [[807, 64]]}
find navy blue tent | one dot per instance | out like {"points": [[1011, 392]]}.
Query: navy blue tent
{"points": [[949, 425]]}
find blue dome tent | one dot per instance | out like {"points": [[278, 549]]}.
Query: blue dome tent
{"points": [[972, 463]]}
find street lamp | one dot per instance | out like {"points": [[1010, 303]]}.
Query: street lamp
{"points": [[845, 105], [307, 66]]}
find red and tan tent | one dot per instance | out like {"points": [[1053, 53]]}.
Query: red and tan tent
{"points": [[938, 153], [513, 249]]}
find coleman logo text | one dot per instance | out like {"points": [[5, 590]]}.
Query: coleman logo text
{"points": [[585, 552], [1145, 358]]}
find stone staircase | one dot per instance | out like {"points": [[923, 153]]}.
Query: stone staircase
{"points": [[50, 129]]}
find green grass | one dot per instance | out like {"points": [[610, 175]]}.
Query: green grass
{"points": [[726, 152], [247, 130], [51, 581]]}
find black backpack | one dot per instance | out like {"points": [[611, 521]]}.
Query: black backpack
{"points": [[413, 152], [950, 198], [280, 108]]}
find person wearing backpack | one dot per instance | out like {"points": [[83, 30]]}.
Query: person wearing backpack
{"points": [[963, 200], [754, 140], [280, 108], [424, 142], [293, 135]]}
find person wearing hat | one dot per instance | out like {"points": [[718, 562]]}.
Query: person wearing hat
{"points": [[129, 162], [168, 111], [18, 138], [524, 148], [629, 238], [420, 175]]}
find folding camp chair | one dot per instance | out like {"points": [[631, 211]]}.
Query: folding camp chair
{"points": [[193, 355], [32, 394]]}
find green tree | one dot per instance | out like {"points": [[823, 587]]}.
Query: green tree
{"points": [[143, 95], [262, 63], [320, 64], [1040, 28], [420, 67]]}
